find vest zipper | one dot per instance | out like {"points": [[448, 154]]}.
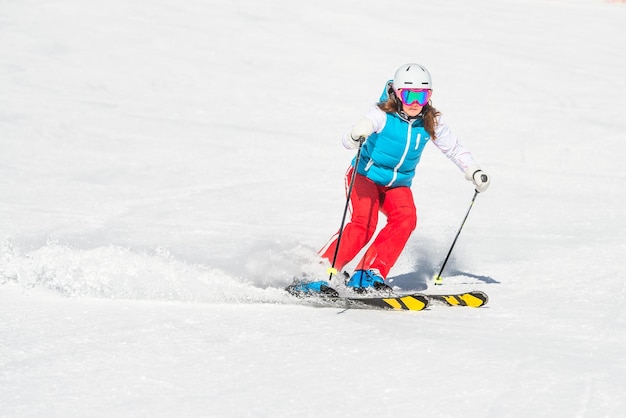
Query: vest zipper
{"points": [[406, 151]]}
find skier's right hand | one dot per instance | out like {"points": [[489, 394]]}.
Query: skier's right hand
{"points": [[360, 132]]}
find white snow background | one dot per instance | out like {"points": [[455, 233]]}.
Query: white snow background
{"points": [[167, 167]]}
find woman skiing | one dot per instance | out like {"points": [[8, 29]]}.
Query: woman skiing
{"points": [[391, 138]]}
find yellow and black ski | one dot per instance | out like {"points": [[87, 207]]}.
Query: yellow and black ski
{"points": [[473, 299], [419, 301], [415, 302], [410, 302]]}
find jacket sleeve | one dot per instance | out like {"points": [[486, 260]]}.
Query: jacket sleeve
{"points": [[378, 119], [451, 147]]}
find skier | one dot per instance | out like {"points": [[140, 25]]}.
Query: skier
{"points": [[392, 136]]}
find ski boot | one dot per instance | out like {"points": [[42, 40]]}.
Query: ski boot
{"points": [[303, 288], [367, 281]]}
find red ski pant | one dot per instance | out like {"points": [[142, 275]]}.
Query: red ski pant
{"points": [[367, 199]]}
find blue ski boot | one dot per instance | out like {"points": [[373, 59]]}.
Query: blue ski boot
{"points": [[320, 287], [367, 280]]}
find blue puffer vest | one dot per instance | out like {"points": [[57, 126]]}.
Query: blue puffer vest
{"points": [[389, 158]]}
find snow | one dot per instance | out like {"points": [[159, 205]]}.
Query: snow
{"points": [[167, 167]]}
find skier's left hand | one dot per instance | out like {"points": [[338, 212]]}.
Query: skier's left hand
{"points": [[480, 179]]}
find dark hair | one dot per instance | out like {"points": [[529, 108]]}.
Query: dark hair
{"points": [[429, 113]]}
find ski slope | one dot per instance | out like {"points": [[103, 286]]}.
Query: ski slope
{"points": [[167, 167]]}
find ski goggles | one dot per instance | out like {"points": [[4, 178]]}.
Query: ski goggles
{"points": [[411, 96]]}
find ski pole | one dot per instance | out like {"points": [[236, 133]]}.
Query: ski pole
{"points": [[332, 270], [438, 278]]}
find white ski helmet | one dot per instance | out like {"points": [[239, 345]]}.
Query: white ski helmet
{"points": [[412, 76]]}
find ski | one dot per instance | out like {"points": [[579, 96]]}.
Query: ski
{"points": [[413, 302], [409, 302], [473, 299]]}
